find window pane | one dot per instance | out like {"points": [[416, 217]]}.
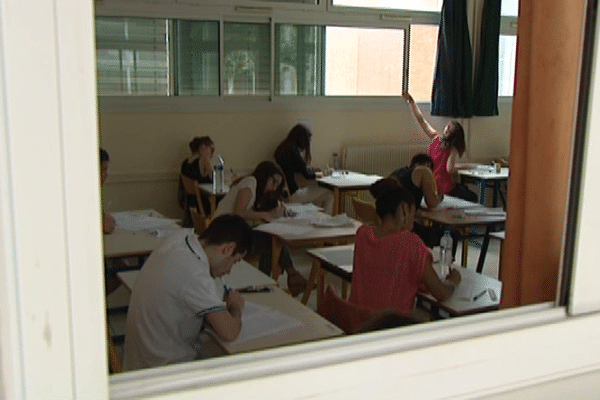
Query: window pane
{"points": [[421, 65], [510, 8], [132, 56], [507, 57], [364, 62], [198, 53], [299, 59], [247, 59], [416, 5]]}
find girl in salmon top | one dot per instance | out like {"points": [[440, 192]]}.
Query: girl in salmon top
{"points": [[444, 149], [391, 262]]}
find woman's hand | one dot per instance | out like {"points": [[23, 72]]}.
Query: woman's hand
{"points": [[277, 212], [453, 276]]}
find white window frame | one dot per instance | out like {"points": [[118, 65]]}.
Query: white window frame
{"points": [[51, 296]]}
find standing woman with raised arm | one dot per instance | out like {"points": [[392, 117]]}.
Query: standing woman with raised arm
{"points": [[445, 149]]}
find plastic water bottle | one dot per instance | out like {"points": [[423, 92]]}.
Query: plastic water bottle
{"points": [[445, 254], [336, 161], [219, 175]]}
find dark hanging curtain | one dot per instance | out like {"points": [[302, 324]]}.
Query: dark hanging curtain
{"points": [[452, 93], [485, 88]]}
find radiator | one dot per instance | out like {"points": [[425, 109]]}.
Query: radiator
{"points": [[379, 159], [376, 159]]}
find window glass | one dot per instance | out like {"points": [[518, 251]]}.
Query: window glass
{"points": [[510, 8], [421, 64], [416, 5], [364, 61], [507, 57], [247, 68], [132, 56], [198, 57], [299, 60]]}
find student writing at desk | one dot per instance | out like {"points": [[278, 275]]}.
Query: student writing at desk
{"points": [[444, 149], [391, 262], [257, 197], [293, 156], [175, 294]]}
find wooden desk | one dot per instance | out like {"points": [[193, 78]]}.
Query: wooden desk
{"points": [[338, 261], [343, 181], [207, 189], [123, 243], [312, 326], [303, 234], [459, 215], [482, 175], [459, 304]]}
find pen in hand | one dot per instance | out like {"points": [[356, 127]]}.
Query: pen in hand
{"points": [[225, 287], [484, 291]]}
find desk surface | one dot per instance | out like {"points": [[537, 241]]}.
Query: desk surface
{"points": [[456, 212], [482, 171], [312, 326], [338, 260], [347, 180], [208, 189], [297, 230], [123, 243]]}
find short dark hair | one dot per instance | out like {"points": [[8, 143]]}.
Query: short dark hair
{"points": [[200, 141], [383, 185], [229, 228], [420, 159], [388, 201], [104, 155]]}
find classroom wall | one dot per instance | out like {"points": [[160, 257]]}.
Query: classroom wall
{"points": [[147, 148]]}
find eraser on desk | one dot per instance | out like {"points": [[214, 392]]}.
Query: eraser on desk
{"points": [[492, 294]]}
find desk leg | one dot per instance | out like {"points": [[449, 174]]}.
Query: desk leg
{"points": [[321, 285], [312, 278], [344, 289], [465, 251], [481, 184], [213, 205], [484, 247], [336, 201], [276, 248]]}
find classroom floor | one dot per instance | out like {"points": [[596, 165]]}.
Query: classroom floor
{"points": [[118, 300]]}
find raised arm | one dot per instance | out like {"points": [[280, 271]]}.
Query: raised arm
{"points": [[440, 290], [228, 324], [241, 208], [206, 167], [426, 126]]}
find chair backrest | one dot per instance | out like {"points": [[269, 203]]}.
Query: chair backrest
{"points": [[343, 314], [191, 188], [114, 362], [365, 212], [200, 221]]}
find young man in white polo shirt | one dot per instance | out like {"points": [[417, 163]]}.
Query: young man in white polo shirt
{"points": [[176, 293]]}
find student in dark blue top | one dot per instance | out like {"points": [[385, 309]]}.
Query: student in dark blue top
{"points": [[293, 156]]}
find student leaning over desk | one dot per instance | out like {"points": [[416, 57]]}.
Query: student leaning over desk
{"points": [[257, 197], [391, 262], [293, 156], [176, 293]]}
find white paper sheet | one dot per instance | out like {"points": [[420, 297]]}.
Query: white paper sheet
{"points": [[138, 222], [258, 320], [281, 228], [331, 222]]}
